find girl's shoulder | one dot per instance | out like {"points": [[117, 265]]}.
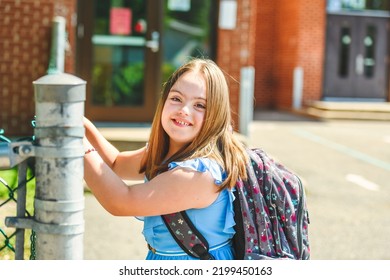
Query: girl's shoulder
{"points": [[202, 165]]}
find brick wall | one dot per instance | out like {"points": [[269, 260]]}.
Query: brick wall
{"points": [[275, 37], [289, 34], [312, 34], [25, 32], [286, 50], [236, 49], [264, 54]]}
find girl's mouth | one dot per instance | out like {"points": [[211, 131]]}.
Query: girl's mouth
{"points": [[181, 122]]}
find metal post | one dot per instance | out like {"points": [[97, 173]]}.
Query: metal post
{"points": [[297, 88], [247, 80], [21, 209], [59, 196], [58, 42]]}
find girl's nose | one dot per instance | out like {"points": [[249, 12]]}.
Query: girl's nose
{"points": [[184, 110]]}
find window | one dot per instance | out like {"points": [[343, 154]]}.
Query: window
{"points": [[369, 46], [357, 5], [344, 54], [189, 29]]}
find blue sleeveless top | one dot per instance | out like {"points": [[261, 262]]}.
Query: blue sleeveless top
{"points": [[215, 222]]}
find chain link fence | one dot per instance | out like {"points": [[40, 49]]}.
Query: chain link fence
{"points": [[17, 186]]}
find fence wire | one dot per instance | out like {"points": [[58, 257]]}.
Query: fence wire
{"points": [[13, 188]]}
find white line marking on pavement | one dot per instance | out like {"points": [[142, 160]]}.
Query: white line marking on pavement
{"points": [[343, 149], [362, 182]]}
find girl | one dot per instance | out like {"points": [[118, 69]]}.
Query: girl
{"points": [[192, 162]]}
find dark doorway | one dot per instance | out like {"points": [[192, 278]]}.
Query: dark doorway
{"points": [[356, 57]]}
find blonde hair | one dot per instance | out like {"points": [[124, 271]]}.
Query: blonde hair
{"points": [[215, 139]]}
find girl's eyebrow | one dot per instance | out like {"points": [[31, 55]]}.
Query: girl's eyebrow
{"points": [[182, 94], [176, 90], [201, 98]]}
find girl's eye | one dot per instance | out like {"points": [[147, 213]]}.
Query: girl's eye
{"points": [[200, 106], [175, 99]]}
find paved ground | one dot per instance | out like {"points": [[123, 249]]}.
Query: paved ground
{"points": [[345, 168], [108, 237]]}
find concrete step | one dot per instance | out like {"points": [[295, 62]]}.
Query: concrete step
{"points": [[349, 110]]}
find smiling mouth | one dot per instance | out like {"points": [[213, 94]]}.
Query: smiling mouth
{"points": [[181, 123]]}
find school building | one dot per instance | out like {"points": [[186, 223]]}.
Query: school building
{"points": [[281, 54]]}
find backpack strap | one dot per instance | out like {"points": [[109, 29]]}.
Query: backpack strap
{"points": [[239, 236], [187, 236]]}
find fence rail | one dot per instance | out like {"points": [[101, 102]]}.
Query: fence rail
{"points": [[55, 158]]}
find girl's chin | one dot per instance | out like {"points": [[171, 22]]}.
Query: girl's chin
{"points": [[177, 144]]}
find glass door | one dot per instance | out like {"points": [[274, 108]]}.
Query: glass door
{"points": [[119, 57], [189, 31]]}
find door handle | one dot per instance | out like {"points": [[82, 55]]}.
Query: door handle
{"points": [[80, 31], [154, 44], [359, 64]]}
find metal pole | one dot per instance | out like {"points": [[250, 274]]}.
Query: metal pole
{"points": [[297, 88], [58, 42], [247, 79], [59, 196], [21, 209]]}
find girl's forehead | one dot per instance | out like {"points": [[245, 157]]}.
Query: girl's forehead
{"points": [[192, 76], [191, 83]]}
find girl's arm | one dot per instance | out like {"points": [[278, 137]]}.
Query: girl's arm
{"points": [[172, 191], [125, 164]]}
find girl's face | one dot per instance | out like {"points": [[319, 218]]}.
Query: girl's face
{"points": [[184, 110]]}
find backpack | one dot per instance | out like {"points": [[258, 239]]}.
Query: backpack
{"points": [[270, 212]]}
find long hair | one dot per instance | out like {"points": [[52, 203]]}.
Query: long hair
{"points": [[215, 139]]}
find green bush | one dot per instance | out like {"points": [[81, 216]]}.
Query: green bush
{"points": [[8, 192]]}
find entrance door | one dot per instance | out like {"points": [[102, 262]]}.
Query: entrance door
{"points": [[119, 56], [356, 57]]}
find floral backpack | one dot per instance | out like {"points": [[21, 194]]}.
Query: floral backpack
{"points": [[270, 212]]}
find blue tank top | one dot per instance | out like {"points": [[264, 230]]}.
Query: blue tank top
{"points": [[215, 222]]}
